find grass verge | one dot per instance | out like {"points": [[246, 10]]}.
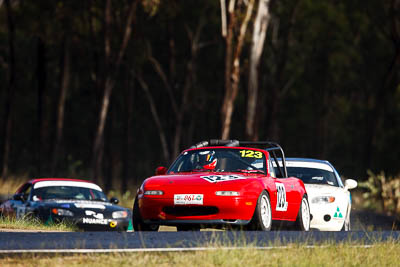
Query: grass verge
{"points": [[380, 254], [9, 223]]}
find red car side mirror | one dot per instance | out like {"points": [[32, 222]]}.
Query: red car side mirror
{"points": [[161, 171]]}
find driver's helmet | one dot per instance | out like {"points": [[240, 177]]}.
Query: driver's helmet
{"points": [[206, 159]]}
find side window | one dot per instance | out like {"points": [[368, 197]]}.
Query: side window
{"points": [[26, 191], [271, 169]]}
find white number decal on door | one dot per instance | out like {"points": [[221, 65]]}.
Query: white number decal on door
{"points": [[281, 204]]}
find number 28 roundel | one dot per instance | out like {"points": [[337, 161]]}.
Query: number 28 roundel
{"points": [[281, 204]]}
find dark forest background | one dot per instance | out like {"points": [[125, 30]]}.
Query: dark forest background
{"points": [[109, 90]]}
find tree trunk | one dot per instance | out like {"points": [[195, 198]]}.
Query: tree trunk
{"points": [[376, 112], [41, 79], [128, 134], [259, 33], [9, 99], [65, 78], [188, 84], [109, 82], [281, 84], [178, 110], [228, 34], [108, 165], [156, 117], [233, 72]]}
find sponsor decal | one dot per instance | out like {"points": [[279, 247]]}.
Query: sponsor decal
{"points": [[302, 164], [94, 214], [89, 206], [338, 214], [258, 164], [222, 178], [319, 178], [80, 202], [281, 204], [186, 199], [94, 221]]}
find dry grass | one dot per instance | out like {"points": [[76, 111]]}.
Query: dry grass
{"points": [[382, 193], [10, 185], [381, 254], [32, 224]]}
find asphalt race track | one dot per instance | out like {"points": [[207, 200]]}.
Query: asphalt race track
{"points": [[368, 228], [14, 242]]}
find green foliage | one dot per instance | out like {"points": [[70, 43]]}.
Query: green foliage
{"points": [[382, 193]]}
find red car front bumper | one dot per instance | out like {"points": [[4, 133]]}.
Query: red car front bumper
{"points": [[215, 210]]}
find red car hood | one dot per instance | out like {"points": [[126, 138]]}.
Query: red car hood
{"points": [[202, 180]]}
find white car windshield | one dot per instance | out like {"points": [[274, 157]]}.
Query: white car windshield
{"points": [[220, 160], [313, 175]]}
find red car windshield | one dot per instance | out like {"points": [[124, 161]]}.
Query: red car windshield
{"points": [[220, 160]]}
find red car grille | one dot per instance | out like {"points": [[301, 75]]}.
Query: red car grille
{"points": [[190, 210]]}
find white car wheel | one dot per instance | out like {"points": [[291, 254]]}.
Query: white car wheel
{"points": [[262, 218], [303, 217], [265, 211]]}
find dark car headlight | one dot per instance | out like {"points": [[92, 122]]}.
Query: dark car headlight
{"points": [[62, 212], [119, 214]]}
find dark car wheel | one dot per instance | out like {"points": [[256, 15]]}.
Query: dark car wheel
{"points": [[262, 218], [303, 216], [138, 224]]}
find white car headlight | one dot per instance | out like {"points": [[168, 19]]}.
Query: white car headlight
{"points": [[227, 193], [62, 212], [119, 214], [323, 199], [154, 192]]}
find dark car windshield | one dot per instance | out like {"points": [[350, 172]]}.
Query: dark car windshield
{"points": [[220, 160], [313, 175], [68, 192]]}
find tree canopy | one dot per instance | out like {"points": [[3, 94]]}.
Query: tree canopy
{"points": [[155, 73]]}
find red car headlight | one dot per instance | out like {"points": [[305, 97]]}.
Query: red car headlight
{"points": [[153, 193], [227, 193]]}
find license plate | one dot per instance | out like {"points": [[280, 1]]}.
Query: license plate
{"points": [[187, 199]]}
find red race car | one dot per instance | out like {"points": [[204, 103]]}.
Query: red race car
{"points": [[223, 184]]}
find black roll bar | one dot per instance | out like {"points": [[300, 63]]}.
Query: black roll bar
{"points": [[272, 147]]}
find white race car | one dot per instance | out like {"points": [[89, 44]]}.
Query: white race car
{"points": [[330, 200]]}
